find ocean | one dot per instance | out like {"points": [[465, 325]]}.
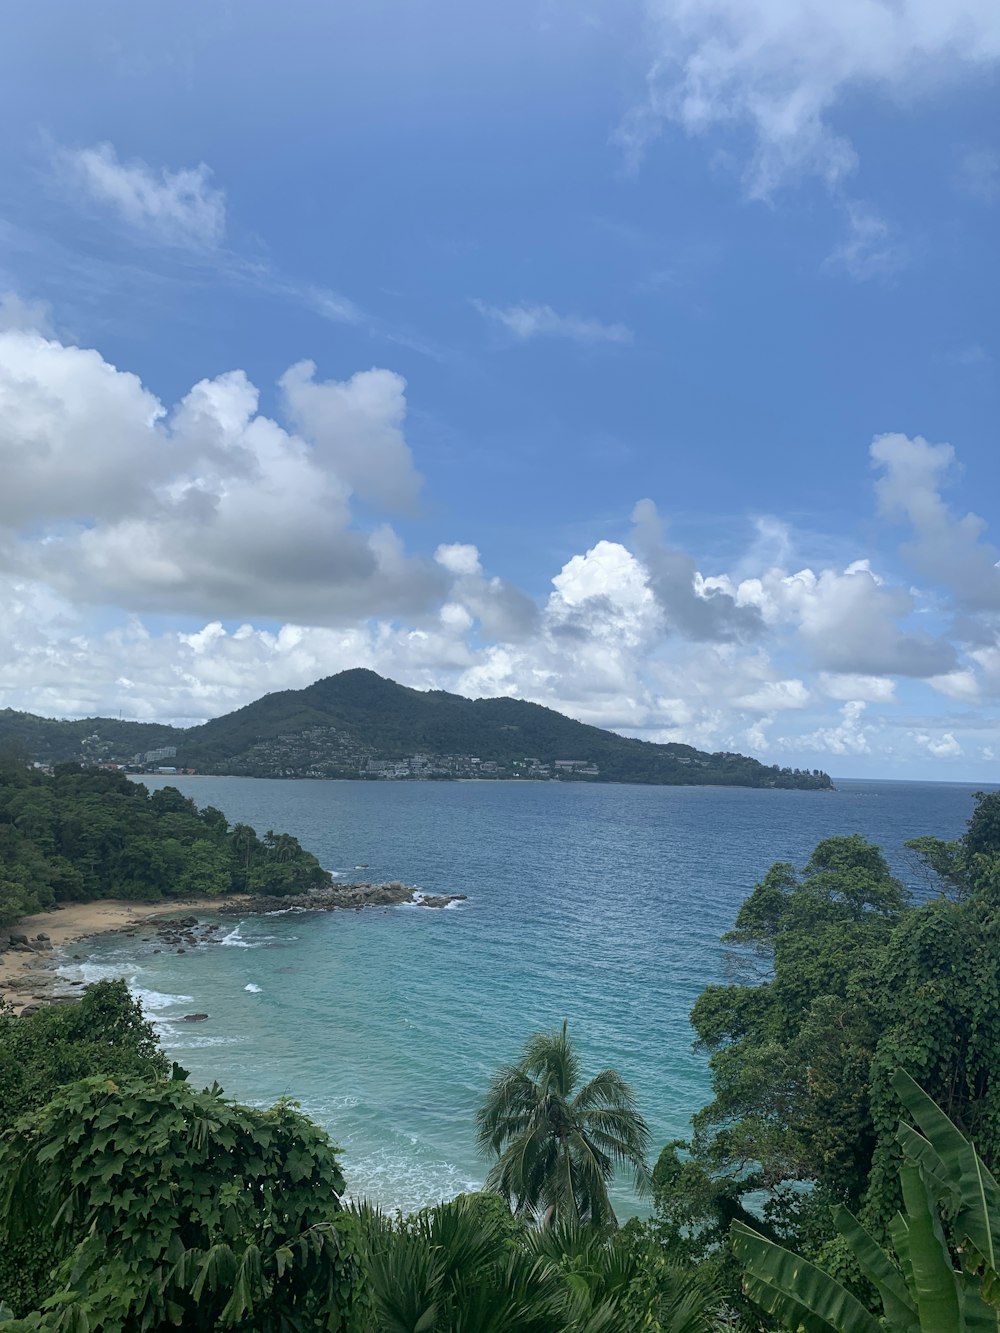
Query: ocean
{"points": [[599, 904]]}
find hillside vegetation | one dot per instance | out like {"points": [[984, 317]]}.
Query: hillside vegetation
{"points": [[81, 834], [357, 724]]}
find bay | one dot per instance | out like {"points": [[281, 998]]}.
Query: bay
{"points": [[598, 904]]}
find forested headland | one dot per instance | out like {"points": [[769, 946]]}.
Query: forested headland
{"points": [[83, 833], [359, 725], [839, 1179]]}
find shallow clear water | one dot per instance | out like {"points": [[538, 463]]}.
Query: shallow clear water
{"points": [[599, 904]]}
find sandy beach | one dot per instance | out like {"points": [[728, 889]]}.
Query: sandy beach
{"points": [[25, 977]]}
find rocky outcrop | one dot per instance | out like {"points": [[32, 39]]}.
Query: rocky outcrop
{"points": [[341, 897]]}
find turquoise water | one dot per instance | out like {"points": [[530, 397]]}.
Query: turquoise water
{"points": [[599, 904]]}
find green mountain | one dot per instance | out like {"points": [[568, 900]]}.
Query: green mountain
{"points": [[90, 739], [359, 725]]}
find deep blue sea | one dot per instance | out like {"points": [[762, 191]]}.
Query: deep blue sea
{"points": [[602, 905]]}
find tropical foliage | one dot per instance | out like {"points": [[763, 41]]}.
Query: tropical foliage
{"points": [[924, 1283], [88, 833], [846, 981], [104, 1034], [558, 1143], [174, 1208], [467, 1265]]}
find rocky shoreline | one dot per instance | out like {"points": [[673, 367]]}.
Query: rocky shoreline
{"points": [[342, 897], [38, 982]]}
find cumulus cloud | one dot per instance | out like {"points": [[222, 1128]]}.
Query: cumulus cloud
{"points": [[18, 314], [851, 735], [534, 321], [699, 608], [179, 207], [943, 746], [213, 508], [850, 622], [946, 549], [780, 68], [458, 558], [248, 528], [356, 430]]}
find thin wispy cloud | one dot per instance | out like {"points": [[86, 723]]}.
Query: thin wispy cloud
{"points": [[175, 207], [868, 250], [182, 215], [780, 68], [541, 321]]}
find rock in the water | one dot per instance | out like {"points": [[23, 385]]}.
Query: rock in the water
{"points": [[195, 1018]]}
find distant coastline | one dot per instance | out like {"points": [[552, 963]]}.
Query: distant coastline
{"points": [[358, 726]]}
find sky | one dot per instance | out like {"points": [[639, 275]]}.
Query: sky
{"points": [[639, 359]]}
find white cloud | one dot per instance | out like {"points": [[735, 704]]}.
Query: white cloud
{"points": [[776, 695], [849, 621], [697, 607], [179, 207], [19, 315], [851, 735], [871, 689], [534, 321], [781, 69], [217, 513], [943, 746], [458, 558], [356, 431], [211, 509], [948, 550], [962, 684]]}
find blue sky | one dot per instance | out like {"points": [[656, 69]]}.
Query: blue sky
{"points": [[638, 359]]}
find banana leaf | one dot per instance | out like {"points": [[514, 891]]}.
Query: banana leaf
{"points": [[820, 1302], [899, 1233], [900, 1310], [935, 1284], [978, 1215]]}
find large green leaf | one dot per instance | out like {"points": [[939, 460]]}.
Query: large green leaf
{"points": [[983, 1285], [935, 1284], [830, 1305], [876, 1265], [900, 1235], [978, 1214]]}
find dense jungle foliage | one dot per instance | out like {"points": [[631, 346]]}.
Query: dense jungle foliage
{"points": [[823, 1188], [847, 982], [81, 834]]}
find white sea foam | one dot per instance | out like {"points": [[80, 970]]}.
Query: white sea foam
{"points": [[254, 990], [153, 1001], [236, 941], [171, 1039]]}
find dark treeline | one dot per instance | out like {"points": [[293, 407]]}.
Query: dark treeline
{"points": [[822, 1189], [80, 834]]}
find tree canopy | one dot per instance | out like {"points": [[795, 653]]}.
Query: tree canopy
{"points": [[175, 1208], [84, 833], [847, 981]]}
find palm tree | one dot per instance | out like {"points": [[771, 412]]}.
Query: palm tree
{"points": [[558, 1145]]}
